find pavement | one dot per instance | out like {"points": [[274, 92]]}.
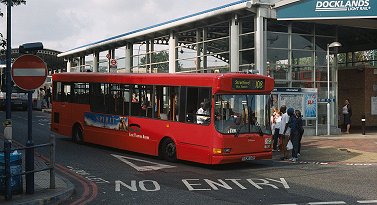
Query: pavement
{"points": [[42, 192], [353, 148], [348, 149]]}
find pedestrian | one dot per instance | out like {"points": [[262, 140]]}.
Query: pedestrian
{"points": [[48, 97], [284, 132], [301, 130], [294, 134], [41, 96], [275, 126], [347, 113]]}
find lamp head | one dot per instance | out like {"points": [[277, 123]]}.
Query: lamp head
{"points": [[334, 44]]}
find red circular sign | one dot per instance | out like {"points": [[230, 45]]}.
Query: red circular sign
{"points": [[29, 72], [113, 62]]}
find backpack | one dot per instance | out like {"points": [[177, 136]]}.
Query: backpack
{"points": [[292, 123]]}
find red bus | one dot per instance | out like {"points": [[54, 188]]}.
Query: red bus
{"points": [[206, 118]]}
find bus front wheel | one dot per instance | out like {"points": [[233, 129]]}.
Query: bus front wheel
{"points": [[169, 151], [77, 135]]}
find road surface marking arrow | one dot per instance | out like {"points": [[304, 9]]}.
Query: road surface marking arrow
{"points": [[155, 166]]}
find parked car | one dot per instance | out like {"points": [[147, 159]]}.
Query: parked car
{"points": [[18, 101]]}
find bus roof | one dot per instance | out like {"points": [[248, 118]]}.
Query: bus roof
{"points": [[168, 79]]}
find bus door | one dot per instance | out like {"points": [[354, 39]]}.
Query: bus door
{"points": [[61, 116]]}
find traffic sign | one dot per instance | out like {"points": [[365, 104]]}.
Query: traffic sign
{"points": [[108, 56], [29, 72], [113, 62]]}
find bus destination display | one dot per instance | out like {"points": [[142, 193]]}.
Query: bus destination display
{"points": [[247, 84]]}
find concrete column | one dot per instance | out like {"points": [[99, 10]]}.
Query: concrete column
{"points": [[172, 53], [95, 61], [259, 41], [128, 57], [109, 53], [197, 59], [151, 56], [290, 59], [82, 64], [234, 44], [112, 54], [147, 56], [205, 31], [69, 62]]}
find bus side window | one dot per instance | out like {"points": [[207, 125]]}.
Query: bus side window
{"points": [[66, 92], [97, 103], [197, 96], [57, 92], [166, 103]]}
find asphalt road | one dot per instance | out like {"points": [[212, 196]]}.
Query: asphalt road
{"points": [[123, 177]]}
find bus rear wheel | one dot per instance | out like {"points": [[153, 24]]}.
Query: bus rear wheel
{"points": [[169, 150], [77, 134]]}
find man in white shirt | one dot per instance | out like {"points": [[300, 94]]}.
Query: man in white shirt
{"points": [[202, 113], [284, 132]]}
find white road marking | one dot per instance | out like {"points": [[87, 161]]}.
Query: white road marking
{"points": [[155, 166], [328, 202], [367, 202], [285, 204], [41, 124]]}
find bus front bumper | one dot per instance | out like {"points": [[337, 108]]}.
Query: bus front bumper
{"points": [[224, 159]]}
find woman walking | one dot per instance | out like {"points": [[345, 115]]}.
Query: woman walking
{"points": [[347, 113]]}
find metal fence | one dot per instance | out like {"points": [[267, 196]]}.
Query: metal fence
{"points": [[7, 150]]}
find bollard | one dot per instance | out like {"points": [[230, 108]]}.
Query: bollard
{"points": [[363, 124], [8, 188]]}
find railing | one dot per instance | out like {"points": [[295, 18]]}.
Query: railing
{"points": [[7, 156]]}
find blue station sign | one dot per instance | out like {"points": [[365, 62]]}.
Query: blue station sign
{"points": [[328, 9]]}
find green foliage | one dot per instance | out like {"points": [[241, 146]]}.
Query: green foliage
{"points": [[3, 41], [162, 58]]}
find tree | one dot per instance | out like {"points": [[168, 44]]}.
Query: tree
{"points": [[3, 41], [157, 57]]}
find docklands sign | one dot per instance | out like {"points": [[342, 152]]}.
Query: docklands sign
{"points": [[327, 9], [350, 5]]}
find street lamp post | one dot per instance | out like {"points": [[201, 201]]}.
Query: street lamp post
{"points": [[331, 45]]}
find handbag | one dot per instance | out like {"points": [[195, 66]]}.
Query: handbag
{"points": [[289, 145]]}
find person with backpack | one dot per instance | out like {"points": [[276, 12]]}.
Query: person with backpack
{"points": [[294, 135], [301, 130]]}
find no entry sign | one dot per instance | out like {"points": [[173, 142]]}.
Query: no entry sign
{"points": [[113, 62], [29, 72]]}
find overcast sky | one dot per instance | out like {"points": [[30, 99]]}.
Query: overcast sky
{"points": [[65, 24]]}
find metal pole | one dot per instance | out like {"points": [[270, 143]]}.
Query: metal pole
{"points": [[29, 154], [363, 124], [52, 162], [328, 90], [9, 62], [7, 142]]}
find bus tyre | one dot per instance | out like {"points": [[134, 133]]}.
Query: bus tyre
{"points": [[169, 151], [77, 135]]}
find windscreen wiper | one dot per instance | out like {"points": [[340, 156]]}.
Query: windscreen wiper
{"points": [[238, 130]]}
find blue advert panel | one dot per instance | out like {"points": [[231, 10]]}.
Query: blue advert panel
{"points": [[114, 122], [328, 9]]}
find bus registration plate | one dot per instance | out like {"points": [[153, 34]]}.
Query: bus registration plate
{"points": [[248, 158]]}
